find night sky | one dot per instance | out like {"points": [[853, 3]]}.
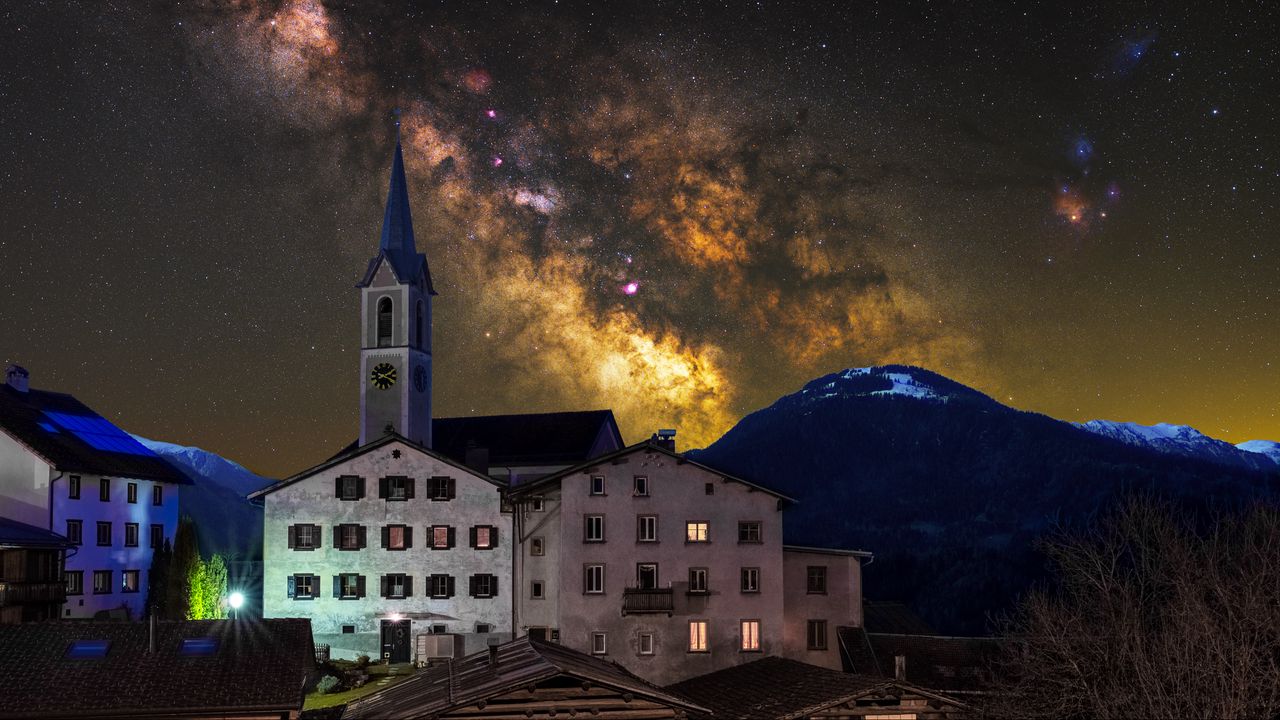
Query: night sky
{"points": [[680, 212]]}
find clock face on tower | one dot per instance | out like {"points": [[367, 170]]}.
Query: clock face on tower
{"points": [[420, 378], [383, 376]]}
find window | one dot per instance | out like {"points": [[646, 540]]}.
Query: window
{"points": [[439, 629], [594, 528], [350, 586], [101, 582], [647, 576], [442, 537], [537, 504], [397, 537], [131, 534], [536, 546], [695, 532], [104, 533], [710, 488], [817, 582], [645, 645], [384, 322], [593, 580], [817, 634], [75, 532], [129, 581], [750, 636], [440, 586], [484, 628], [349, 487], [157, 495], [157, 536], [697, 636], [646, 528], [104, 490], [396, 586], [395, 487], [599, 643], [73, 487], [484, 537], [535, 590], [597, 484], [304, 537], [75, 582], [697, 580], [349, 537], [750, 580], [131, 493], [641, 488], [749, 532], [442, 488], [305, 587], [484, 585], [348, 629]]}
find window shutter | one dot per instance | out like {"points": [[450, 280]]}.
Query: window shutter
{"points": [[337, 536], [586, 579], [292, 583], [474, 531], [493, 586], [317, 538], [382, 487], [409, 487], [472, 581], [360, 488], [493, 536], [337, 586], [293, 542], [452, 485], [449, 585], [362, 537], [408, 536], [386, 536], [360, 585], [337, 487], [408, 586], [315, 586], [453, 537], [384, 585]]}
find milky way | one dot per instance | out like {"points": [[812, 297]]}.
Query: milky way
{"points": [[676, 212]]}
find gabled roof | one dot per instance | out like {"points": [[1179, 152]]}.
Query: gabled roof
{"points": [[397, 241], [520, 663], [14, 534], [644, 446], [352, 452], [775, 688], [254, 664], [947, 664], [71, 437]]}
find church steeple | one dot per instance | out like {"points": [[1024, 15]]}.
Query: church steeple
{"points": [[395, 347]]}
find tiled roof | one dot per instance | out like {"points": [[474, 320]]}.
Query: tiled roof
{"points": [[260, 665], [947, 664], [40, 420], [520, 662], [21, 535], [880, 616]]}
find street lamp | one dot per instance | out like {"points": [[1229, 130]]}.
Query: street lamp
{"points": [[236, 601]]}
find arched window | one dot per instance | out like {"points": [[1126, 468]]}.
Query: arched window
{"points": [[422, 341], [384, 322]]}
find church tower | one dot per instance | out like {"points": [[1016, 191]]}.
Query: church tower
{"points": [[395, 326]]}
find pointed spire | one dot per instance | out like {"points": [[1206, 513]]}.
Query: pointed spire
{"points": [[397, 223]]}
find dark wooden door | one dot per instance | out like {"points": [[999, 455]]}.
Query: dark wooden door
{"points": [[395, 640]]}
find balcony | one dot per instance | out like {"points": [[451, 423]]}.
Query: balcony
{"points": [[34, 592], [646, 601]]}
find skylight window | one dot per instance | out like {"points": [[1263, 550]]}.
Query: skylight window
{"points": [[95, 431], [88, 649], [198, 647]]}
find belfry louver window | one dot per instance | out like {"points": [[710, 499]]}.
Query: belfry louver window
{"points": [[384, 322]]}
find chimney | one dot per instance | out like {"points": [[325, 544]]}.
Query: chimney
{"points": [[493, 652], [477, 458], [665, 439], [900, 667], [16, 377]]}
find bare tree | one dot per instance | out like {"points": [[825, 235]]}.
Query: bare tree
{"points": [[1151, 615]]}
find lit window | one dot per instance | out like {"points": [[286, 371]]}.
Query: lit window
{"points": [[441, 537], [484, 537], [641, 486], [599, 643], [129, 581], [697, 636], [697, 580], [647, 528], [396, 537], [749, 532], [817, 579], [594, 528], [593, 583], [646, 644], [597, 484], [750, 580], [696, 532], [817, 634], [750, 635]]}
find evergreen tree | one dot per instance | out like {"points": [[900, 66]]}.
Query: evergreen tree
{"points": [[215, 588], [185, 560], [158, 581]]}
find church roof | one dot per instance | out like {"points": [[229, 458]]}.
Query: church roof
{"points": [[397, 242], [71, 437]]}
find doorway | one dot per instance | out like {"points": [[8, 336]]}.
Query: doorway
{"points": [[395, 640]]}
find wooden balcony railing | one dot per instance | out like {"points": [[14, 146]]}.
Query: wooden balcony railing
{"points": [[36, 592], [639, 601]]}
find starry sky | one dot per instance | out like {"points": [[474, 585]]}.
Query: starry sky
{"points": [[677, 210]]}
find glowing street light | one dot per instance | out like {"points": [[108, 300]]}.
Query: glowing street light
{"points": [[236, 600]]}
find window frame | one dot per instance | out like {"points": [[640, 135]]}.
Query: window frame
{"points": [[599, 643], [742, 636], [351, 482], [596, 488], [73, 487], [690, 532], [812, 587], [389, 578], [586, 528], [640, 486], [79, 584], [157, 495], [743, 574], [489, 580], [699, 636], [450, 538], [537, 546], [593, 571], [439, 586], [640, 527], [705, 575], [355, 543], [78, 524], [747, 528], [134, 527], [131, 493], [124, 580], [108, 574], [537, 590], [816, 635], [355, 586], [640, 568], [103, 525], [104, 490], [640, 643]]}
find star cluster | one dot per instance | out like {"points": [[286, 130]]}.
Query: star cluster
{"points": [[679, 211]]}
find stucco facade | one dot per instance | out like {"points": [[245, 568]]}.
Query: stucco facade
{"points": [[352, 626], [822, 586]]}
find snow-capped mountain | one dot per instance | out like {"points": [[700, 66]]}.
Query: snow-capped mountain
{"points": [[226, 522], [1186, 441], [1267, 448]]}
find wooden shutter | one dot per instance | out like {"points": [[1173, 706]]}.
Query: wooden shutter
{"points": [[493, 536], [292, 583], [362, 537], [386, 536], [383, 581], [360, 488], [409, 487], [472, 581], [382, 487], [315, 586], [337, 537], [453, 538], [449, 586], [452, 486], [316, 537], [293, 542], [408, 586], [493, 586], [337, 586], [474, 533], [360, 586], [408, 536], [337, 491]]}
